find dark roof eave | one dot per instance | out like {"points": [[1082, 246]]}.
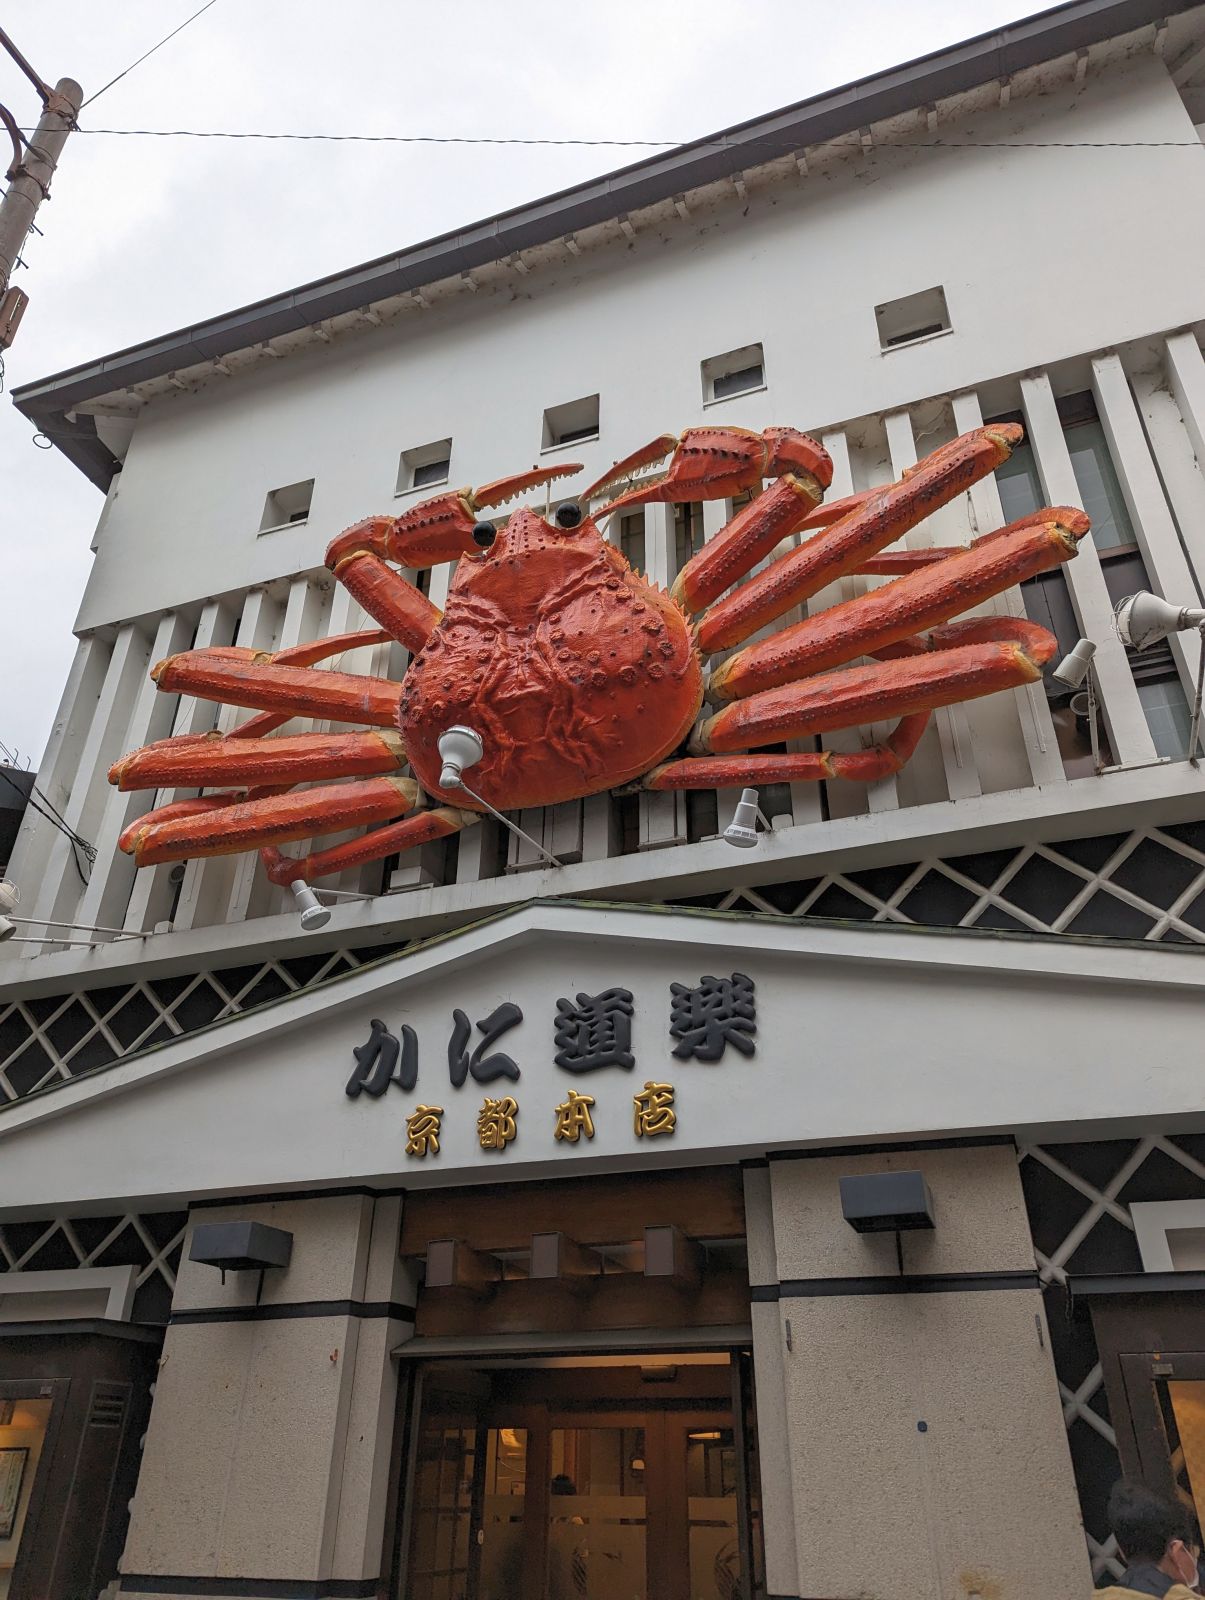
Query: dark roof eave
{"points": [[961, 67]]}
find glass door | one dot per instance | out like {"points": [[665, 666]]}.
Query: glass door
{"points": [[514, 1498]]}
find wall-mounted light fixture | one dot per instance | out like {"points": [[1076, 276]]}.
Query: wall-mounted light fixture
{"points": [[1144, 619], [461, 747], [886, 1202], [241, 1247], [1073, 670], [742, 830]]}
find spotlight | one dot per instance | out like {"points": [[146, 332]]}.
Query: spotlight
{"points": [[1144, 619], [7, 928], [313, 913], [459, 747], [742, 830], [1073, 668]]}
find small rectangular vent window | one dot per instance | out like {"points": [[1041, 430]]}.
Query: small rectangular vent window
{"points": [[108, 1408], [424, 466], [915, 316], [572, 422], [290, 504], [737, 372]]}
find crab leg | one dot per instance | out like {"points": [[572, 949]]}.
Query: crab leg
{"points": [[275, 819], [863, 766], [419, 829], [256, 679], [963, 661], [751, 534], [892, 612], [297, 758], [872, 525]]}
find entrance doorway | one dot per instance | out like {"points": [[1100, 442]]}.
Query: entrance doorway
{"points": [[609, 1479]]}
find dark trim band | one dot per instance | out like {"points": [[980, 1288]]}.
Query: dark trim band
{"points": [[968, 1141], [915, 1283], [253, 1588], [278, 1195], [364, 1309], [1132, 1283]]}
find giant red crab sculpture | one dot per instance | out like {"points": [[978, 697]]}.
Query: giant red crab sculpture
{"points": [[582, 676]]}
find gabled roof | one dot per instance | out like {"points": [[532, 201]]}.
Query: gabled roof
{"points": [[990, 56], [863, 1032]]}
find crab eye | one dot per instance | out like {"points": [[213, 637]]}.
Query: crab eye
{"points": [[484, 534], [568, 515]]}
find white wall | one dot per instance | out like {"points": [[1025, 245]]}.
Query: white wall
{"points": [[1043, 254]]}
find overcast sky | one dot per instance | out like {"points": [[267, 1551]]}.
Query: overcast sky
{"points": [[147, 235]]}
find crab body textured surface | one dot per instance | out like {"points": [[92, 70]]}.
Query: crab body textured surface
{"points": [[581, 676]]}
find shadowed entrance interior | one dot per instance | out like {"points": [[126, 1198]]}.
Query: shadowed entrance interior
{"points": [[582, 1478]]}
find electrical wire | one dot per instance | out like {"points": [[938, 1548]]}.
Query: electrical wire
{"points": [[780, 146], [48, 810], [150, 52]]}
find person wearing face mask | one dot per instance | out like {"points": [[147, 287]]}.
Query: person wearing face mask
{"points": [[1159, 1544]]}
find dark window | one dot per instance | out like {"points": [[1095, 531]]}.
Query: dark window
{"points": [[913, 316], [738, 382], [631, 540], [431, 472]]}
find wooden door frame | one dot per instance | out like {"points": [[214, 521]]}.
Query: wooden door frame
{"points": [[1135, 1330]]}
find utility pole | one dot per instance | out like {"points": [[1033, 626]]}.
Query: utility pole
{"points": [[29, 175]]}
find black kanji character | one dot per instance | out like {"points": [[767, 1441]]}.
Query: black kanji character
{"points": [[377, 1059], [460, 1063], [719, 1011], [596, 1032]]}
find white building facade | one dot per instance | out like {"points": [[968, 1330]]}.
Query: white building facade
{"points": [[982, 970]]}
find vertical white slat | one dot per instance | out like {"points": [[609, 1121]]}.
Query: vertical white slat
{"points": [[1166, 564], [844, 799], [951, 722], [1172, 448], [36, 840], [716, 515], [1186, 375], [258, 629], [1033, 709], [1167, 567], [1120, 705], [206, 885], [59, 890], [662, 816], [153, 891], [108, 892]]}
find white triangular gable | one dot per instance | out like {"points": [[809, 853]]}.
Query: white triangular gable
{"points": [[864, 1032]]}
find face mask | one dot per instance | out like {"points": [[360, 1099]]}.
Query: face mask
{"points": [[1186, 1563]]}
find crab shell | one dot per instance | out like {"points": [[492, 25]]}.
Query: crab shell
{"points": [[578, 674]]}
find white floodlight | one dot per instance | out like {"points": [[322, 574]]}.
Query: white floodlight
{"points": [[7, 927], [313, 913], [1073, 668], [742, 830], [1143, 619], [459, 747]]}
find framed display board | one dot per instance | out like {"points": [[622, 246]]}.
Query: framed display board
{"points": [[12, 1475]]}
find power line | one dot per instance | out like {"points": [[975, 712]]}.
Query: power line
{"points": [[150, 52], [782, 146]]}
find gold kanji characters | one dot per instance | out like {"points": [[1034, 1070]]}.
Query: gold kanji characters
{"points": [[654, 1112], [573, 1117], [422, 1131], [496, 1123]]}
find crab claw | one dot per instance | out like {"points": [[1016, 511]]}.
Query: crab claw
{"points": [[503, 489], [435, 530], [715, 463]]}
